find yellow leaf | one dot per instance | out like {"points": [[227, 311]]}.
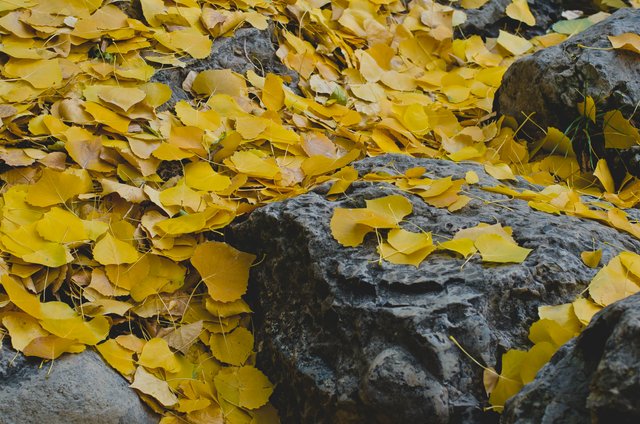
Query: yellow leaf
{"points": [[223, 269], [151, 385], [349, 226], [500, 171], [156, 354], [255, 164], [112, 251], [57, 187], [550, 331], [591, 258], [463, 246], [183, 196], [273, 93], [626, 41], [205, 120], [585, 309], [510, 381], [513, 44], [23, 329], [188, 40], [123, 97], [588, 108], [495, 248], [519, 10], [563, 314], [219, 81], [39, 73], [245, 386], [612, 283], [117, 356], [604, 176], [51, 347], [104, 116], [471, 177], [61, 226], [232, 348], [77, 329], [618, 131]]}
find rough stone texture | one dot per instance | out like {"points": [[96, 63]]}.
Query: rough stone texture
{"points": [[550, 82], [73, 389], [248, 49], [595, 378], [490, 18], [348, 340]]}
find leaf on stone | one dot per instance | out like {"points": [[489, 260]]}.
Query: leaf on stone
{"points": [[151, 385], [626, 41], [591, 258], [519, 10]]}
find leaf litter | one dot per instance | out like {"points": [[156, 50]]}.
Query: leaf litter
{"points": [[100, 250]]}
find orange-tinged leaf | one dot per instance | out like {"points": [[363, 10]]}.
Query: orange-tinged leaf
{"points": [[223, 269]]}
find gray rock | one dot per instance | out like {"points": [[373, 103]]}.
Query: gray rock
{"points": [[594, 378], [248, 49], [73, 389], [349, 339], [489, 19], [551, 82]]}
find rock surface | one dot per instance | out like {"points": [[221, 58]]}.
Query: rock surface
{"points": [[347, 339], [73, 389], [550, 82], [489, 19], [594, 378], [248, 49]]}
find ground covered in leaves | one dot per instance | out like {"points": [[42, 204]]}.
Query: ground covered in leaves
{"points": [[113, 205]]}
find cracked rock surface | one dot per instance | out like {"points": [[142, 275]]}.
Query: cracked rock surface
{"points": [[550, 82], [349, 339], [594, 378], [73, 389]]}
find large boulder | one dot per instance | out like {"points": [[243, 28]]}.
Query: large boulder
{"points": [[348, 338], [594, 378], [73, 389], [548, 84]]}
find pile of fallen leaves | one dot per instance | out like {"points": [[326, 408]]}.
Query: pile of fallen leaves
{"points": [[101, 246]]}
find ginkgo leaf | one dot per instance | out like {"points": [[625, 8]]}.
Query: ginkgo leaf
{"points": [[514, 44], [604, 175], [243, 386], [500, 171], [123, 97], [156, 354], [23, 329], [232, 348], [224, 270], [107, 117], [55, 187], [151, 385], [626, 41], [112, 251], [612, 283], [496, 248], [463, 246], [51, 347], [519, 10], [591, 258], [117, 356]]}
